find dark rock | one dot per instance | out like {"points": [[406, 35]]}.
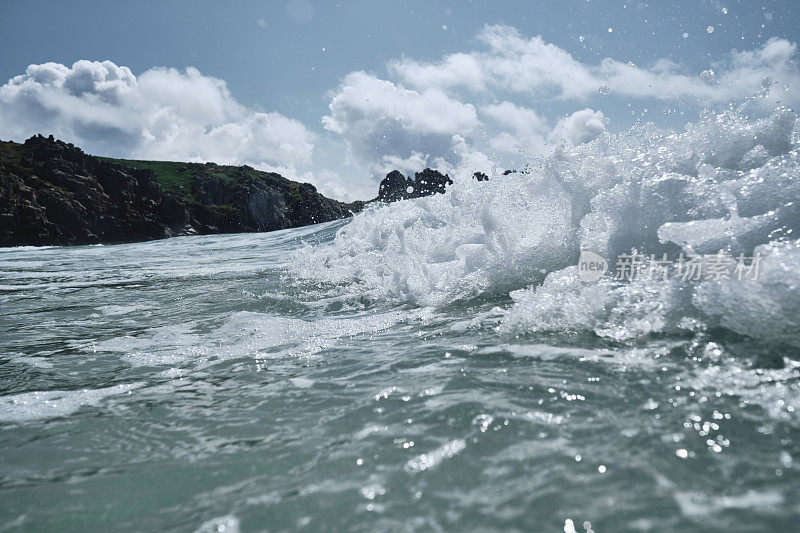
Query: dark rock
{"points": [[395, 186], [480, 176], [260, 201], [51, 193], [429, 182]]}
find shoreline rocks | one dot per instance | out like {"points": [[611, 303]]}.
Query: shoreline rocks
{"points": [[395, 186], [52, 193]]}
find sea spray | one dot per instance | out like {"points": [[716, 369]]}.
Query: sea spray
{"points": [[728, 183]]}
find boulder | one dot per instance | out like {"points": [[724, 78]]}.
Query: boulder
{"points": [[395, 186]]}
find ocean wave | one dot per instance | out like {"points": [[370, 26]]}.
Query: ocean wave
{"points": [[726, 184]]}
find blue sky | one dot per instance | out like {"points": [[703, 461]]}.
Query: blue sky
{"points": [[291, 60]]}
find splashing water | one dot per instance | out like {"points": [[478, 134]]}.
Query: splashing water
{"points": [[725, 184]]}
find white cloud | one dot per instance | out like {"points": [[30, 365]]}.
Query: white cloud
{"points": [[453, 70], [579, 127], [347, 189], [531, 66], [423, 115], [523, 128], [378, 118], [408, 165], [161, 114]]}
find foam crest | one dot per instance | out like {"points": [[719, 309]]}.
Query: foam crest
{"points": [[727, 183], [475, 238], [54, 404]]}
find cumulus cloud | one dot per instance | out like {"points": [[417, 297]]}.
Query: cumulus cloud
{"points": [[161, 114], [423, 113], [379, 118], [387, 126], [524, 129], [453, 70], [579, 127], [532, 66]]}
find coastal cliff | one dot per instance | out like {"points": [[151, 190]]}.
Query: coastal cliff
{"points": [[52, 193]]}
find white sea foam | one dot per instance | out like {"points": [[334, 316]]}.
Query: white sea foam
{"points": [[693, 504], [728, 182], [53, 404], [34, 362], [246, 334], [221, 524]]}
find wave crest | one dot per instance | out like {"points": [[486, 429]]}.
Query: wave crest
{"points": [[728, 182]]}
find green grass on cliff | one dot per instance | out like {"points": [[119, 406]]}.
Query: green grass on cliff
{"points": [[177, 177], [171, 176]]}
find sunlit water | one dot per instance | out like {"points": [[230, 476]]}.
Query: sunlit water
{"points": [[414, 369]]}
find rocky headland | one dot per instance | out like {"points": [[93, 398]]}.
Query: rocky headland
{"points": [[52, 193]]}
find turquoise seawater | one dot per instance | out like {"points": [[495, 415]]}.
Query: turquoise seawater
{"points": [[200, 383]]}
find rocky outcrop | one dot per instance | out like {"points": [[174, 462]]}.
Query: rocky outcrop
{"points": [[242, 199], [51, 193], [395, 186]]}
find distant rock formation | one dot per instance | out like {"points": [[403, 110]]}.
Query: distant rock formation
{"points": [[395, 186], [51, 193], [242, 199]]}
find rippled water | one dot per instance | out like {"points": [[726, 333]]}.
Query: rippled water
{"points": [[430, 365], [190, 382]]}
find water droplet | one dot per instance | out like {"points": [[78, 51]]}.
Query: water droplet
{"points": [[708, 76]]}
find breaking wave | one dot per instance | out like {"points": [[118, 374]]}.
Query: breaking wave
{"points": [[727, 184]]}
